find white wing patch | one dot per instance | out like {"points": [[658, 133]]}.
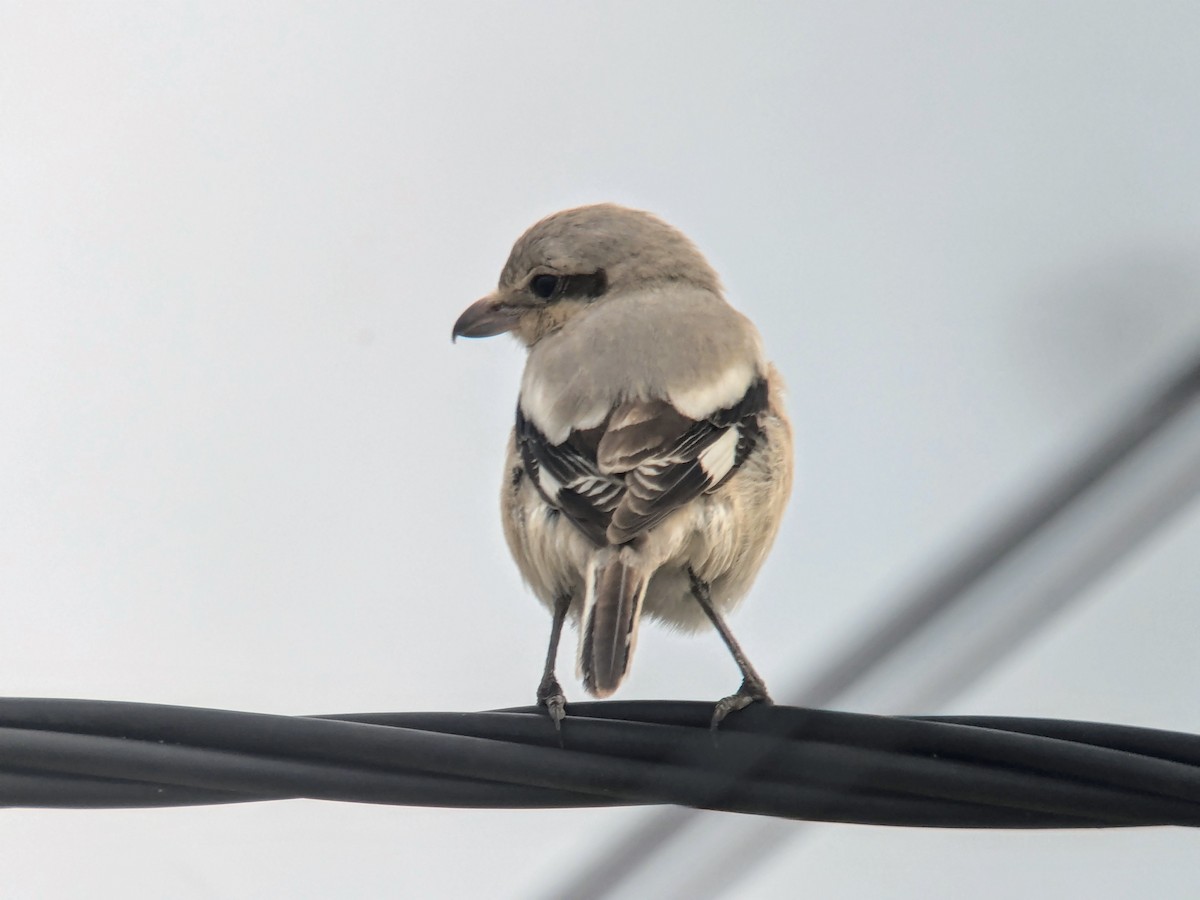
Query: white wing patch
{"points": [[717, 459], [550, 485]]}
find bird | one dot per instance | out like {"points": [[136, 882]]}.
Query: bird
{"points": [[650, 462]]}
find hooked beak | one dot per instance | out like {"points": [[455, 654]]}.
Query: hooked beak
{"points": [[485, 318]]}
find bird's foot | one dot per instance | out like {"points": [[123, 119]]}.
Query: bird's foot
{"points": [[751, 691], [550, 695]]}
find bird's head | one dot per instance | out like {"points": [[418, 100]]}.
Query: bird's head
{"points": [[573, 259]]}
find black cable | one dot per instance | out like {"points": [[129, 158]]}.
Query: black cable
{"points": [[964, 772]]}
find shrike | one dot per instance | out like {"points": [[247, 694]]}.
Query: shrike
{"points": [[651, 459]]}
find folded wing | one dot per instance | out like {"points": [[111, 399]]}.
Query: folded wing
{"points": [[618, 480]]}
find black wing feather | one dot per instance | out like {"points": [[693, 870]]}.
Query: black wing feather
{"points": [[616, 507]]}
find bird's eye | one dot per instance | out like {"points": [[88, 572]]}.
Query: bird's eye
{"points": [[544, 286]]}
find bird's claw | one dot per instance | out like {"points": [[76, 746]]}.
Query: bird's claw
{"points": [[749, 692], [550, 695]]}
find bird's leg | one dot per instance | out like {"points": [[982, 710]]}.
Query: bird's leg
{"points": [[549, 692], [753, 688]]}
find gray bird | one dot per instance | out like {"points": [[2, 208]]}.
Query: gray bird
{"points": [[651, 459]]}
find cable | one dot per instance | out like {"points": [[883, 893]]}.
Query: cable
{"points": [[787, 762]]}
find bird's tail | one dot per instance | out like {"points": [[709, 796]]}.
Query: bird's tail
{"points": [[612, 608]]}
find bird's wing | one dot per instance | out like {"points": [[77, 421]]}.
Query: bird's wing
{"points": [[644, 462]]}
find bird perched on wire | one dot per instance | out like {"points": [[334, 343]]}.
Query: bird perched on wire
{"points": [[651, 459]]}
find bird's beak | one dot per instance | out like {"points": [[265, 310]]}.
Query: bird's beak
{"points": [[486, 317]]}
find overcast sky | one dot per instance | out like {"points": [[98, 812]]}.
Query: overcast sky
{"points": [[244, 467]]}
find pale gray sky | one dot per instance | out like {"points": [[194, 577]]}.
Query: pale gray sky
{"points": [[245, 467]]}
